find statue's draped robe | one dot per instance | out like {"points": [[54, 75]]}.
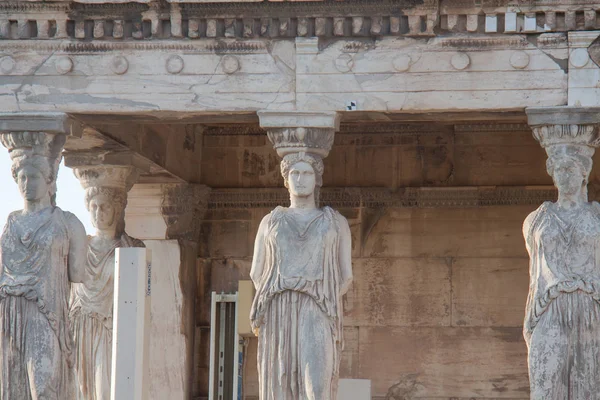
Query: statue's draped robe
{"points": [[91, 312], [35, 341], [562, 323], [297, 307]]}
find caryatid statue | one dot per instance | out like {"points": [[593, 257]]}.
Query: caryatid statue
{"points": [[91, 305], [562, 323], [43, 250], [301, 268]]}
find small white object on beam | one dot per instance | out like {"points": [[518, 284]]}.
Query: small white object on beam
{"points": [[131, 324]]}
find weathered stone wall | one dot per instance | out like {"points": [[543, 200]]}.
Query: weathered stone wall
{"points": [[437, 303]]}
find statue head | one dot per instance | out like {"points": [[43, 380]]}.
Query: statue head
{"points": [[570, 167], [106, 188], [107, 208], [302, 174], [35, 159], [34, 178]]}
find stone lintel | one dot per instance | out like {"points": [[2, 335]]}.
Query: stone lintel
{"points": [[49, 122], [300, 131], [563, 115], [296, 119], [166, 211]]}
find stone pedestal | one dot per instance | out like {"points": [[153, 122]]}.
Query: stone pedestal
{"points": [[131, 322], [166, 217]]}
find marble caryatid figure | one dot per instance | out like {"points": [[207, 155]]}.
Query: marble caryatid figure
{"points": [[301, 269], [43, 250], [91, 305], [562, 323]]}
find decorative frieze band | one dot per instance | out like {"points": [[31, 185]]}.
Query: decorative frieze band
{"points": [[349, 18], [383, 197]]}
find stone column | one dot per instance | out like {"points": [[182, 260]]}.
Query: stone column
{"points": [[92, 302], [301, 267], [167, 218], [43, 253], [562, 322]]}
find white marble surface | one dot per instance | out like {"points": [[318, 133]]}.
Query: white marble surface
{"points": [[43, 252], [562, 323], [301, 268], [91, 302], [584, 74], [211, 75]]}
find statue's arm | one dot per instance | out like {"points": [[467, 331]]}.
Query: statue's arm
{"points": [[258, 257], [527, 229], [529, 221], [77, 249], [345, 254]]}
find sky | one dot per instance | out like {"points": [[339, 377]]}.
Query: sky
{"points": [[70, 194]]}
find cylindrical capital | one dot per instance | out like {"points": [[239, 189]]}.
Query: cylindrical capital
{"points": [[300, 131], [565, 125]]}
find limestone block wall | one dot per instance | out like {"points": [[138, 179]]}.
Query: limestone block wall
{"points": [[437, 303]]}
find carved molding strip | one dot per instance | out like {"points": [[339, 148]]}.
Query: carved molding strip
{"points": [[349, 18], [72, 47], [451, 197], [474, 128]]}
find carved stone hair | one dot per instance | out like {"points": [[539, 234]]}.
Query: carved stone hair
{"points": [[40, 150], [315, 162]]}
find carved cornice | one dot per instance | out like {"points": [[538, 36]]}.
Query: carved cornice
{"points": [[483, 42], [471, 128], [73, 47], [281, 19], [382, 197]]}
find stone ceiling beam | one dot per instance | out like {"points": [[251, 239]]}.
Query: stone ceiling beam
{"points": [[99, 147]]}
